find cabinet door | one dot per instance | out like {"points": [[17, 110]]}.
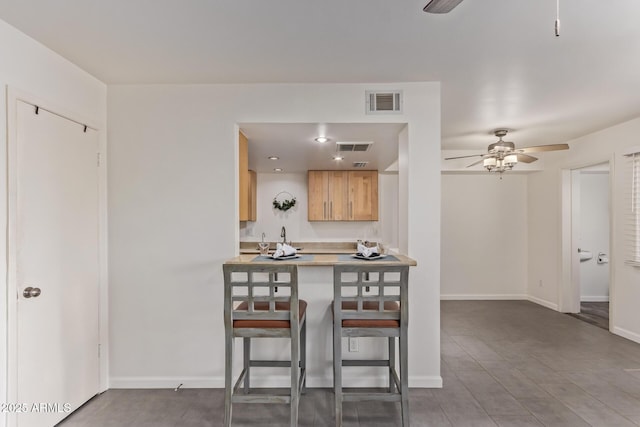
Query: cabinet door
{"points": [[318, 195], [363, 195], [338, 196], [243, 178], [253, 196]]}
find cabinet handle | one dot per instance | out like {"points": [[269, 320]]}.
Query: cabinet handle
{"points": [[350, 210], [324, 210], [331, 209]]}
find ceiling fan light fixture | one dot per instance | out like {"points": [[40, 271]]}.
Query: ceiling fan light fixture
{"points": [[511, 160], [490, 163]]}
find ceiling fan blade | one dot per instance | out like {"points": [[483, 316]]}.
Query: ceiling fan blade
{"points": [[441, 6], [475, 163], [525, 158], [541, 148], [465, 157]]}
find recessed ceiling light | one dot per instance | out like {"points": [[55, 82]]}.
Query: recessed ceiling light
{"points": [[277, 170], [322, 139], [273, 157], [338, 158]]}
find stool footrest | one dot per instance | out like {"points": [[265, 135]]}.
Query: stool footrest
{"points": [[270, 363], [364, 362], [370, 332], [261, 398], [363, 397]]}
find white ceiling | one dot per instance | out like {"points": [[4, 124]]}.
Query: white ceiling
{"points": [[498, 60]]}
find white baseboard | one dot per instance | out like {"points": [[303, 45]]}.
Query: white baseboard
{"points": [[542, 302], [425, 382], [481, 297], [627, 334], [262, 381], [488, 297], [595, 299], [166, 382]]}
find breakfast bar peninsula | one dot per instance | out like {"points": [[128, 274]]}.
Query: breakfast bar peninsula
{"points": [[315, 278]]}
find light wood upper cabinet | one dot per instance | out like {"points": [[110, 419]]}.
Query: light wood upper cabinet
{"points": [[334, 197], [338, 196], [363, 195], [318, 195], [246, 183]]}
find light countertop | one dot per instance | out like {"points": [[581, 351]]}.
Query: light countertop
{"points": [[319, 259]]}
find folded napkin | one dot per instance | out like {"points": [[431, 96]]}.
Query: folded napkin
{"points": [[282, 249], [368, 252]]}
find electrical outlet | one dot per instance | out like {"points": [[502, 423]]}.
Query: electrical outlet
{"points": [[540, 283], [353, 345]]}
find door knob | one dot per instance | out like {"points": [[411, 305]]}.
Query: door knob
{"points": [[31, 292]]}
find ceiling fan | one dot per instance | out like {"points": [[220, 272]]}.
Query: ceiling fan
{"points": [[503, 155], [441, 6]]}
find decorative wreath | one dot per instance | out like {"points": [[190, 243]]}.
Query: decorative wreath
{"points": [[285, 204]]}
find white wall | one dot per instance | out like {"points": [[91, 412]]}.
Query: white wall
{"points": [[594, 234], [388, 187], [174, 220], [403, 191], [31, 68], [270, 221], [484, 236], [545, 231]]}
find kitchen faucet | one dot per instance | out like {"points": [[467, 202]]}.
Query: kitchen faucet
{"points": [[283, 234]]}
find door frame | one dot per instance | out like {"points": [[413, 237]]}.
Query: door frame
{"points": [[569, 290], [9, 195]]}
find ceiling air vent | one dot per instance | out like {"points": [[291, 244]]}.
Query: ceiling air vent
{"points": [[384, 102], [360, 164], [353, 146]]}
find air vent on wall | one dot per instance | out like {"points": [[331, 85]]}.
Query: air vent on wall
{"points": [[353, 146], [384, 102], [360, 164]]}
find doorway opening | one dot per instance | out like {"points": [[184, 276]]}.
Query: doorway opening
{"points": [[590, 244]]}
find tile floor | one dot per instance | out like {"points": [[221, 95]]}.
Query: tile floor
{"points": [[504, 363]]}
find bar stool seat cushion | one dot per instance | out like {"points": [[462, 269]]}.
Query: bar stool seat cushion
{"points": [[370, 323], [264, 306]]}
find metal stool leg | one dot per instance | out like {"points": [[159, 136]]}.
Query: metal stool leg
{"points": [[303, 356], [228, 386], [404, 377], [392, 363], [295, 376], [337, 371], [247, 363]]}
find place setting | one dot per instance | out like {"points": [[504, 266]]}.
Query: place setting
{"points": [[283, 252]]}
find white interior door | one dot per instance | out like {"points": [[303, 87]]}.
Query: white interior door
{"points": [[56, 224]]}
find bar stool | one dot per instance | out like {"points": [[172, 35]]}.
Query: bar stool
{"points": [[252, 310], [371, 301]]}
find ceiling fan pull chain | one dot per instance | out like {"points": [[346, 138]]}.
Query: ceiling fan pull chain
{"points": [[557, 18]]}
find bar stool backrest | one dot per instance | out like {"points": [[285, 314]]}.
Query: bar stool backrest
{"points": [[250, 292], [370, 292]]}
